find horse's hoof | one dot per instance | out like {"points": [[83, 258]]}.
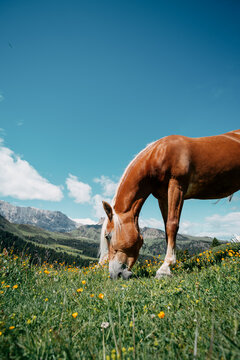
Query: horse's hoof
{"points": [[162, 275]]}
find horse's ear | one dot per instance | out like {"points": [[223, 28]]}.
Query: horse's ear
{"points": [[108, 210]]}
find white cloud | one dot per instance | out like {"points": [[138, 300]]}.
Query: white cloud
{"points": [[219, 226], [109, 186], [85, 221], [223, 227], [78, 190], [153, 223], [98, 207], [20, 180], [1, 97]]}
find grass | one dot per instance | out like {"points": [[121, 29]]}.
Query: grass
{"points": [[58, 312]]}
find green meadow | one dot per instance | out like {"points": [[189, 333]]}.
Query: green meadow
{"points": [[53, 311]]}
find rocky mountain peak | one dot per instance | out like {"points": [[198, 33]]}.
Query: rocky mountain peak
{"points": [[45, 219]]}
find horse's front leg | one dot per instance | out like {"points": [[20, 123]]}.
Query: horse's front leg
{"points": [[175, 203]]}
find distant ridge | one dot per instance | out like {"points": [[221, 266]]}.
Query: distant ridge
{"points": [[57, 222], [45, 219]]}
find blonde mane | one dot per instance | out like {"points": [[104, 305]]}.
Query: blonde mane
{"points": [[103, 251]]}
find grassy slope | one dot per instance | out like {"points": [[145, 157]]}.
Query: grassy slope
{"points": [[200, 304], [53, 240], [84, 242]]}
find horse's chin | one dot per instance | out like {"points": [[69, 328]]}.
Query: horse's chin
{"points": [[126, 274]]}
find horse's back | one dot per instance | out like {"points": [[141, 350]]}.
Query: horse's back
{"points": [[208, 167]]}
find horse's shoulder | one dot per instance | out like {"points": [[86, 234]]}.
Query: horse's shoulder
{"points": [[174, 143]]}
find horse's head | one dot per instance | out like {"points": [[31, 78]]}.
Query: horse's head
{"points": [[124, 241]]}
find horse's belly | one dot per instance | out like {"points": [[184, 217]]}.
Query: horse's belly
{"points": [[216, 188]]}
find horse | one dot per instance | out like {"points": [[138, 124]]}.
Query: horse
{"points": [[173, 169]]}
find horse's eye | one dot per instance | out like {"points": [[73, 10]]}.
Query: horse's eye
{"points": [[108, 236]]}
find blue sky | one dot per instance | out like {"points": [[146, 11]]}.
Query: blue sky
{"points": [[85, 85]]}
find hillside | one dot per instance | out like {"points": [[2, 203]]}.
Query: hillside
{"points": [[63, 312], [49, 220], [45, 245], [83, 243], [154, 240]]}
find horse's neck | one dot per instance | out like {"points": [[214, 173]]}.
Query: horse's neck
{"points": [[133, 190]]}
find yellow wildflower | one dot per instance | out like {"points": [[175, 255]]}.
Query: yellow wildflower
{"points": [[74, 315], [11, 327], [161, 314], [15, 286], [84, 282], [101, 296], [92, 295], [79, 290]]}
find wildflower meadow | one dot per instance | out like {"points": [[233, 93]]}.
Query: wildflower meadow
{"points": [[55, 311]]}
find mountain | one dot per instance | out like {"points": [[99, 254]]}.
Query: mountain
{"points": [[92, 232], [53, 229], [155, 243], [44, 245], [45, 219], [154, 240]]}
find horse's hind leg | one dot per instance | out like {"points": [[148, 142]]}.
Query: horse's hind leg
{"points": [[174, 208]]}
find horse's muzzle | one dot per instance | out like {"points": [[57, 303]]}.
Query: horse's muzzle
{"points": [[118, 270]]}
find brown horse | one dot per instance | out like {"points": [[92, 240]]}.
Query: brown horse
{"points": [[172, 169]]}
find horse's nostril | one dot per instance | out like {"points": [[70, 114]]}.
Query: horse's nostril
{"points": [[119, 274]]}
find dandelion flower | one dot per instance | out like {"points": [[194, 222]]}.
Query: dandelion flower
{"points": [[46, 299], [0, 333], [74, 315], [79, 290], [84, 282], [11, 327], [92, 295], [101, 296], [161, 314], [15, 286], [104, 324]]}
